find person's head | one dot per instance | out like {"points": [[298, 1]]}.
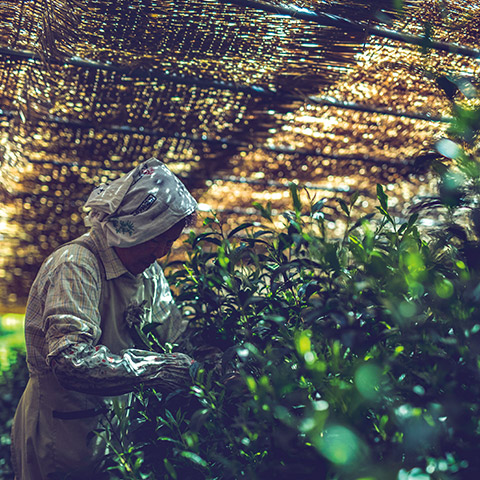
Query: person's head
{"points": [[146, 205], [137, 258]]}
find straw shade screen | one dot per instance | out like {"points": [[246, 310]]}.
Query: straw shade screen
{"points": [[238, 97]]}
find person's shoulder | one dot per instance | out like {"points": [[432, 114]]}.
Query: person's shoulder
{"points": [[72, 255]]}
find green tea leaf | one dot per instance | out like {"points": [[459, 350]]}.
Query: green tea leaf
{"points": [[354, 198], [318, 206], [209, 221], [382, 197], [210, 237], [150, 327], [170, 469], [344, 206], [264, 212], [413, 218], [241, 227], [193, 457], [297, 204]]}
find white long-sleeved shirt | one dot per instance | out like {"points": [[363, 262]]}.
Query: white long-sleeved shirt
{"points": [[75, 321]]}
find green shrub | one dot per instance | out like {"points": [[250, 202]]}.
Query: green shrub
{"points": [[357, 357], [12, 383]]}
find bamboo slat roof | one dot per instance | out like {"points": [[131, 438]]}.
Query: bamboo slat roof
{"points": [[238, 97]]}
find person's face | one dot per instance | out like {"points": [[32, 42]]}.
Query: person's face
{"points": [[139, 257]]}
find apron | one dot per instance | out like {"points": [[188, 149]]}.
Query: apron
{"points": [[54, 430]]}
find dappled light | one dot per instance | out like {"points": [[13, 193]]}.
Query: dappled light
{"points": [[330, 281]]}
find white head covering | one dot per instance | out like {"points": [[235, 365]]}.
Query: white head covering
{"points": [[139, 206]]}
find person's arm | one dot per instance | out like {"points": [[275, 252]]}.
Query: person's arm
{"points": [[72, 330], [98, 371]]}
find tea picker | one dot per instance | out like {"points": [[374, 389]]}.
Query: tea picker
{"points": [[85, 310]]}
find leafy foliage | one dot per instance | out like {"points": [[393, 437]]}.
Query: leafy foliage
{"points": [[12, 384], [336, 358], [356, 357]]}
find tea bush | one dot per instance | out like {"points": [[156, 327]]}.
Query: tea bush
{"points": [[334, 358], [12, 384], [323, 358]]}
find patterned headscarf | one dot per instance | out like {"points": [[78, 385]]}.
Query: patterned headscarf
{"points": [[139, 206]]}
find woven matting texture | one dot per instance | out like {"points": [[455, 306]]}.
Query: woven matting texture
{"points": [[235, 96]]}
